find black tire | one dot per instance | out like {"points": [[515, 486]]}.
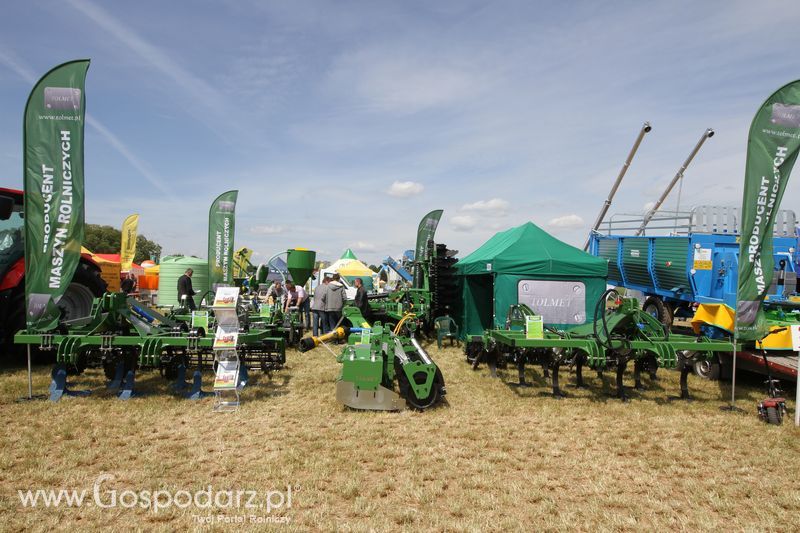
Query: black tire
{"points": [[707, 369], [774, 416], [16, 322], [655, 307], [86, 285]]}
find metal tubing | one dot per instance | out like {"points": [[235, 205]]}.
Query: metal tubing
{"points": [[706, 134], [422, 353], [603, 210]]}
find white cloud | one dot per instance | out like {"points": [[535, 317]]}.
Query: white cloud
{"points": [[404, 189], [361, 246], [463, 222], [407, 80], [567, 222], [267, 230], [648, 206], [494, 207]]}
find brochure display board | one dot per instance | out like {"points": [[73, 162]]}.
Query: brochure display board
{"points": [[230, 376]]}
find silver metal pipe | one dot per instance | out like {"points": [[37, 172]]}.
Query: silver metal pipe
{"points": [[422, 353], [645, 129], [706, 135]]}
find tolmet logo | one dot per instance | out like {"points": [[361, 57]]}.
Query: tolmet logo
{"points": [[786, 115], [62, 98]]}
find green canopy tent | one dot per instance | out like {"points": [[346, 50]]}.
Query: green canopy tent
{"points": [[527, 265]]}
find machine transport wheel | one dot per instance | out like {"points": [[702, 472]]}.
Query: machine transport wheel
{"points": [[85, 286], [707, 369], [774, 416], [655, 307]]}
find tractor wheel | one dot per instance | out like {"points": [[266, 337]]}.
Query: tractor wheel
{"points": [[16, 322], [774, 416], [707, 369], [655, 307], [85, 286]]}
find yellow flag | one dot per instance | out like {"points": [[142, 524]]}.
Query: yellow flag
{"points": [[241, 259], [128, 248]]}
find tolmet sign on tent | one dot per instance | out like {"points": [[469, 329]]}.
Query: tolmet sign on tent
{"points": [[221, 223], [53, 182], [772, 149], [128, 245]]}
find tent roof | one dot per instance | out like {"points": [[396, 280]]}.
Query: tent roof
{"points": [[348, 254], [528, 249], [349, 267]]}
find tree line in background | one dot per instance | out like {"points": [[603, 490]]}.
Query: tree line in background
{"points": [[107, 240]]}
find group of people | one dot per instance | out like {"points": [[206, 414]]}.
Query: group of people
{"points": [[322, 312], [326, 307]]}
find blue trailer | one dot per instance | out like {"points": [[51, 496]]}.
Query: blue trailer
{"points": [[697, 263]]}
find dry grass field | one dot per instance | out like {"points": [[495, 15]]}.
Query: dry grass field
{"points": [[494, 457]]}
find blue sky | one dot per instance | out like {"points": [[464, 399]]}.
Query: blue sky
{"points": [[342, 123]]}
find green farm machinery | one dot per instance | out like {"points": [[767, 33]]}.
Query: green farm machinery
{"points": [[122, 335], [376, 358], [617, 336]]}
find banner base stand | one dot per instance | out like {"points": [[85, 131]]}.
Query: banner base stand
{"points": [[35, 397]]}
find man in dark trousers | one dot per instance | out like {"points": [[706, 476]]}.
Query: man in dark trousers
{"points": [[361, 298], [185, 289]]}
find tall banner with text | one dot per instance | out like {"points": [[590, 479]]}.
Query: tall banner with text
{"points": [[772, 149], [127, 249], [53, 182], [425, 232], [221, 223]]}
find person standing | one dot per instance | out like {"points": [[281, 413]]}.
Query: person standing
{"points": [[303, 306], [275, 294], [291, 299], [186, 290], [128, 284], [334, 302], [361, 299], [319, 321]]}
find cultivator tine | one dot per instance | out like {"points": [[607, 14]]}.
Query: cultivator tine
{"points": [[492, 368], [579, 383], [197, 391], [521, 372], [620, 384], [59, 386], [557, 392], [637, 374], [243, 377], [127, 386], [180, 383], [119, 373]]}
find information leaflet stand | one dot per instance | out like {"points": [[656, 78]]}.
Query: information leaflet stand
{"points": [[227, 384]]}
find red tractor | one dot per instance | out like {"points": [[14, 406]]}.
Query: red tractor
{"points": [[77, 301]]}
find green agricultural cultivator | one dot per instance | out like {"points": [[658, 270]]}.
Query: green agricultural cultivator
{"points": [[122, 335], [616, 337]]}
